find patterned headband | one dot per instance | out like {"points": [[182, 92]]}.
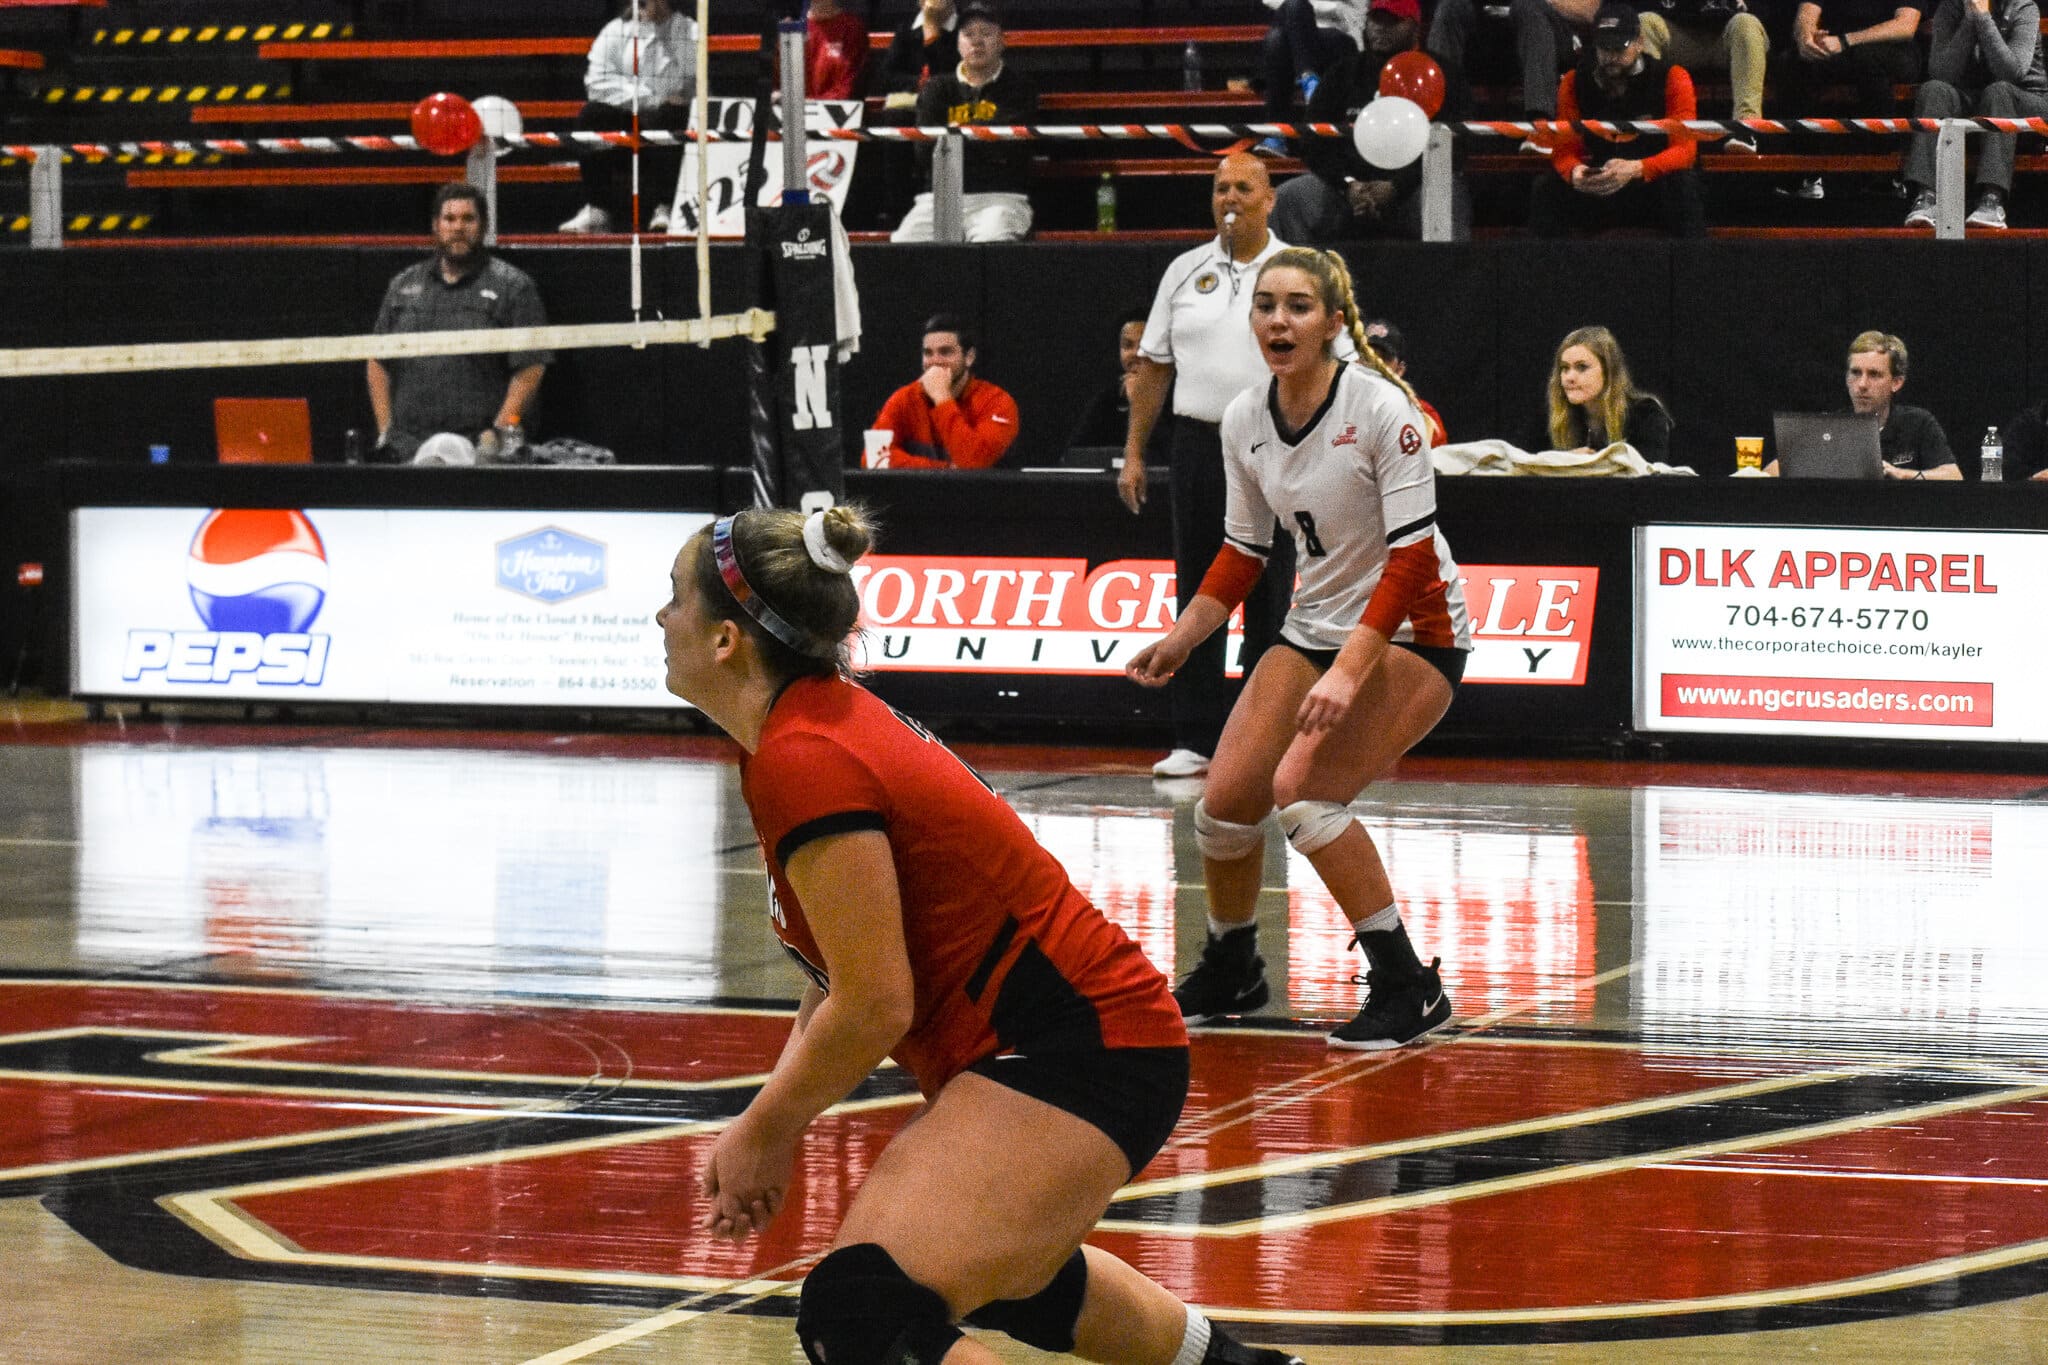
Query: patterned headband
{"points": [[751, 602]]}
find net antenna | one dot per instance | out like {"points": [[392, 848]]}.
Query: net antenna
{"points": [[701, 120], [633, 253]]}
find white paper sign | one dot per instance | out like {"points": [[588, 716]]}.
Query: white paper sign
{"points": [[830, 163]]}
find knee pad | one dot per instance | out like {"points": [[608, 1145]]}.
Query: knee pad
{"points": [[1046, 1319], [1314, 825], [859, 1308], [1221, 841]]}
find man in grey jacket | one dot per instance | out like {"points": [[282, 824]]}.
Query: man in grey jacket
{"points": [[1986, 60]]}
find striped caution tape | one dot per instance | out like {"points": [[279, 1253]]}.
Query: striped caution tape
{"points": [[1186, 134], [220, 33], [163, 94], [754, 323], [88, 222]]}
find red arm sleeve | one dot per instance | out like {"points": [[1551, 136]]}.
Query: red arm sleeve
{"points": [[977, 433], [1568, 154], [1231, 576], [1411, 571], [1680, 103], [1439, 434]]}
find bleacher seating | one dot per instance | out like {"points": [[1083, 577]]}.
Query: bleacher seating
{"points": [[153, 68]]}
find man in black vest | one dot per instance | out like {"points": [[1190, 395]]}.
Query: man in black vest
{"points": [[1642, 178]]}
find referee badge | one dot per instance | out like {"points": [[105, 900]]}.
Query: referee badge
{"points": [[1206, 282]]}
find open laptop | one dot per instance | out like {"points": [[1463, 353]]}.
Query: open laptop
{"points": [[1827, 445], [263, 430]]}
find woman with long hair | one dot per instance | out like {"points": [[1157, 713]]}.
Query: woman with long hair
{"points": [[1372, 649], [932, 928], [1594, 402]]}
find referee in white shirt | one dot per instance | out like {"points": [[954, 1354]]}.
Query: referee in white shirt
{"points": [[1198, 341]]}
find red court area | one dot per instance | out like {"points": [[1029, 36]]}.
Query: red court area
{"points": [[1489, 1177]]}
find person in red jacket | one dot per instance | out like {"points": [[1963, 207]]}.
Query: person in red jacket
{"points": [[835, 52], [1602, 182], [947, 418]]}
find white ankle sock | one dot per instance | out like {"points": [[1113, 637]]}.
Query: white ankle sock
{"points": [[1194, 1343], [1379, 922], [1217, 928]]}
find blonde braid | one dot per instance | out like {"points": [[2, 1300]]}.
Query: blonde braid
{"points": [[1367, 356]]}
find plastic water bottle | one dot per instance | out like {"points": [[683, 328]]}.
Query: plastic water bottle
{"points": [[1105, 204], [1991, 460], [1191, 67], [352, 446]]}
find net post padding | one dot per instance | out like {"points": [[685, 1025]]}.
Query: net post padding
{"points": [[794, 399]]}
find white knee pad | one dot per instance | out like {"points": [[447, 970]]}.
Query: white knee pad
{"points": [[1223, 842], [1313, 825]]}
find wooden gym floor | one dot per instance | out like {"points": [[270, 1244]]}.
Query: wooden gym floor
{"points": [[332, 1045]]}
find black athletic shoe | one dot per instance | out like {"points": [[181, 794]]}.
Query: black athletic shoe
{"points": [[1396, 1013], [1230, 979], [1223, 1351]]}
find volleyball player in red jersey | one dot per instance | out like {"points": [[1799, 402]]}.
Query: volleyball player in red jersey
{"points": [[1374, 644], [934, 929]]}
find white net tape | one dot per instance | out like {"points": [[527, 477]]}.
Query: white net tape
{"points": [[754, 323]]}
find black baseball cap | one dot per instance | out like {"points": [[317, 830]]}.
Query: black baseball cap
{"points": [[1616, 26], [978, 9]]}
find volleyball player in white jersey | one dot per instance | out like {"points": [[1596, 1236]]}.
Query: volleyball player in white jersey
{"points": [[1373, 646]]}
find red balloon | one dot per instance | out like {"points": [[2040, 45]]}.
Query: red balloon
{"points": [[1414, 76], [446, 124]]}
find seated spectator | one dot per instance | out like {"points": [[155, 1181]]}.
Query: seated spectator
{"points": [[2026, 445], [1985, 62], [1594, 402], [1868, 44], [1913, 444], [1345, 195], [927, 46], [995, 205], [948, 418], [1390, 345], [1714, 35], [463, 286], [1308, 38], [1547, 37], [1596, 185], [665, 85], [1106, 421], [835, 52]]}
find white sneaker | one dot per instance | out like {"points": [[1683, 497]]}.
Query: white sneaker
{"points": [[1181, 763], [589, 218], [1922, 214], [1989, 213], [658, 220]]}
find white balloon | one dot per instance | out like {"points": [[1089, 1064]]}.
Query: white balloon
{"points": [[499, 116], [1391, 132]]}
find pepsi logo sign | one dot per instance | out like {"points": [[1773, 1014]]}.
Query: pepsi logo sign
{"points": [[258, 578]]}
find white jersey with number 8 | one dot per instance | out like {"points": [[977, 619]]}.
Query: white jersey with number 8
{"points": [[1355, 484]]}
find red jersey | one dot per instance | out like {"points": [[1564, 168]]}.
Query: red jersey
{"points": [[1005, 955], [835, 53], [968, 432]]}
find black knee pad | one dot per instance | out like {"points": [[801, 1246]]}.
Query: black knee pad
{"points": [[1046, 1319], [859, 1308]]}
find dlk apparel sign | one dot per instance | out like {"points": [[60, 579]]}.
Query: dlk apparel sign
{"points": [[1837, 631]]}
